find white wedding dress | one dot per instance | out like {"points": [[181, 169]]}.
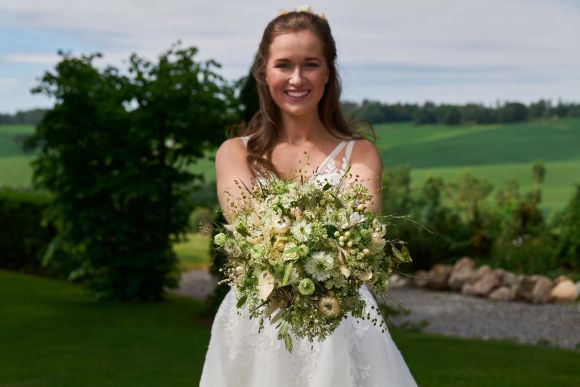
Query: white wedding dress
{"points": [[356, 354]]}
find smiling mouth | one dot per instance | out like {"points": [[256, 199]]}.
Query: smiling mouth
{"points": [[297, 94]]}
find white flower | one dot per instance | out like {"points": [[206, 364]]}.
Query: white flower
{"points": [[356, 218], [301, 230], [331, 178], [319, 265], [281, 226], [304, 8], [265, 285]]}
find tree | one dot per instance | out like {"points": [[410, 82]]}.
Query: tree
{"points": [[513, 112], [114, 151], [451, 115], [426, 114]]}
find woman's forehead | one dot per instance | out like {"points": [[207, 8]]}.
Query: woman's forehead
{"points": [[303, 44]]}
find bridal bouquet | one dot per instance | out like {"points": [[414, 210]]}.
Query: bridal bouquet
{"points": [[299, 251]]}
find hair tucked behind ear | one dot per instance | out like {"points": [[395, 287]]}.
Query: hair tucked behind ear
{"points": [[265, 125]]}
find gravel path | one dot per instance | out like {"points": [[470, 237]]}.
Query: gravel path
{"points": [[456, 314]]}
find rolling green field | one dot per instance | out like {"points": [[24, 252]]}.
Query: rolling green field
{"points": [[53, 334], [496, 152]]}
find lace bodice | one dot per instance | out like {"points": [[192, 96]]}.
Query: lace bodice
{"points": [[328, 171]]}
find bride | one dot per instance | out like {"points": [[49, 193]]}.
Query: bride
{"points": [[299, 92]]}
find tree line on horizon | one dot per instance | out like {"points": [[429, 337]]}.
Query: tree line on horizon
{"points": [[377, 112]]}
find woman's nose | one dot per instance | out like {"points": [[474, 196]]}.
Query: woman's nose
{"points": [[296, 77]]}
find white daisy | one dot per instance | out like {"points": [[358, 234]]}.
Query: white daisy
{"points": [[319, 265], [301, 230]]}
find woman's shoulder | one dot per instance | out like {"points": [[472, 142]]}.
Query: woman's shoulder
{"points": [[231, 149], [363, 146], [365, 152]]}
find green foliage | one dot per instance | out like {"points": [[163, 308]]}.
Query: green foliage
{"points": [[114, 150], [567, 230], [219, 259], [524, 243], [23, 234], [249, 97], [455, 218], [396, 190]]}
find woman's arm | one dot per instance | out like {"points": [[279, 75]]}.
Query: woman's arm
{"points": [[231, 166], [366, 163]]}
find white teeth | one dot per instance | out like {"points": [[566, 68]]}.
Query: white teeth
{"points": [[297, 94]]}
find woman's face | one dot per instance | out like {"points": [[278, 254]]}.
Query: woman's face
{"points": [[296, 72]]}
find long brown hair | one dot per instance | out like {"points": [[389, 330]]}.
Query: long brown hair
{"points": [[265, 125]]}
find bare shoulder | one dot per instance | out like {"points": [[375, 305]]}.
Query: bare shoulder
{"points": [[231, 150], [365, 152]]}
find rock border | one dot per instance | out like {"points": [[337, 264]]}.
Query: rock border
{"points": [[495, 284]]}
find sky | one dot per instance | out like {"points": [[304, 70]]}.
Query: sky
{"points": [[453, 51]]}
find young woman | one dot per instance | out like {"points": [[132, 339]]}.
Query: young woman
{"points": [[299, 92]]}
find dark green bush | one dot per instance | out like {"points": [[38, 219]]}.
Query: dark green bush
{"points": [[116, 150], [567, 234], [24, 237]]}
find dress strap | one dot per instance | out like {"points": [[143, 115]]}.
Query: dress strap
{"points": [[348, 153], [332, 155], [245, 140]]}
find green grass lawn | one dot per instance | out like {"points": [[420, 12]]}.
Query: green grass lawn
{"points": [[53, 334], [193, 253]]}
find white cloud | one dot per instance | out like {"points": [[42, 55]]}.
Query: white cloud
{"points": [[491, 46]]}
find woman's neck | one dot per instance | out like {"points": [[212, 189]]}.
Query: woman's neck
{"points": [[298, 130]]}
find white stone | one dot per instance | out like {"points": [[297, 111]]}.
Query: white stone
{"points": [[564, 291]]}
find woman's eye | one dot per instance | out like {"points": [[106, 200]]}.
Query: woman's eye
{"points": [[312, 65], [281, 66]]}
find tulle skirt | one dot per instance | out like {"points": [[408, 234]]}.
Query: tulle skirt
{"points": [[356, 354]]}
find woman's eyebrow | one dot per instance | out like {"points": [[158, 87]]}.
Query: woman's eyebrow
{"points": [[314, 58]]}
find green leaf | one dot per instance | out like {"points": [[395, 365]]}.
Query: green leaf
{"points": [[241, 301], [287, 273]]}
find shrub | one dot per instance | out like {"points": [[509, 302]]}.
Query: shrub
{"points": [[567, 234], [114, 150], [24, 237]]}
